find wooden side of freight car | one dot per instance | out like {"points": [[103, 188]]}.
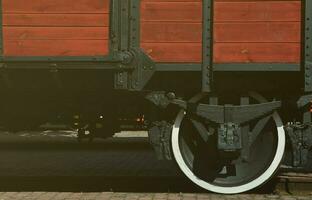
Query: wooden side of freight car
{"points": [[55, 28], [245, 31]]}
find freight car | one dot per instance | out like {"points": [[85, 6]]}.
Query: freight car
{"points": [[225, 86]]}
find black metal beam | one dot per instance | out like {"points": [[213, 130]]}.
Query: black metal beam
{"points": [[207, 45], [307, 47], [177, 67], [229, 67], [258, 67]]}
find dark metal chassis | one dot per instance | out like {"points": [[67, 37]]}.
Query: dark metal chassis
{"points": [[133, 70]]}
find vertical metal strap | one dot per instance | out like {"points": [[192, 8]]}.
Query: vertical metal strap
{"points": [[114, 25], [1, 29], [121, 32], [307, 52], [124, 27], [135, 23], [207, 45]]}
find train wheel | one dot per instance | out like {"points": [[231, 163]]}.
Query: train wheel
{"points": [[201, 162]]}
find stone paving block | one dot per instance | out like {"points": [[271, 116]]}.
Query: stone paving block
{"points": [[160, 196], [260, 197], [90, 196], [272, 196], [105, 195], [132, 196], [304, 197], [245, 196], [174, 197], [288, 198], [139, 196]]}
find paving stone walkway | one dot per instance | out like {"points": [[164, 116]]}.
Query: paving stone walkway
{"points": [[139, 196]]}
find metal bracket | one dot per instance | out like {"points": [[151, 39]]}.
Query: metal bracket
{"points": [[300, 137], [159, 98], [136, 68], [304, 100], [159, 136], [229, 137], [229, 113], [144, 70]]}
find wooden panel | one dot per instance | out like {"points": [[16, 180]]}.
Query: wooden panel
{"points": [[56, 33], [55, 47], [256, 52], [55, 28], [55, 6], [257, 31], [244, 30], [174, 52], [153, 10], [233, 11], [56, 20], [171, 30]]}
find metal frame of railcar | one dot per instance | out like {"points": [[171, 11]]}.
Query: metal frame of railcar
{"points": [[307, 44], [124, 47]]}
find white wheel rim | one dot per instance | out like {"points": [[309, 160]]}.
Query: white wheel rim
{"points": [[270, 171]]}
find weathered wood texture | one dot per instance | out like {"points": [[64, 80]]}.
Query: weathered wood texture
{"points": [[245, 31], [55, 27], [171, 30]]}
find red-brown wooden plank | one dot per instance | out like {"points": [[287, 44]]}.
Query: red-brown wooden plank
{"points": [[257, 10], [256, 53], [171, 11], [171, 32], [55, 47], [257, 32], [173, 52], [56, 20], [55, 33], [55, 6]]}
